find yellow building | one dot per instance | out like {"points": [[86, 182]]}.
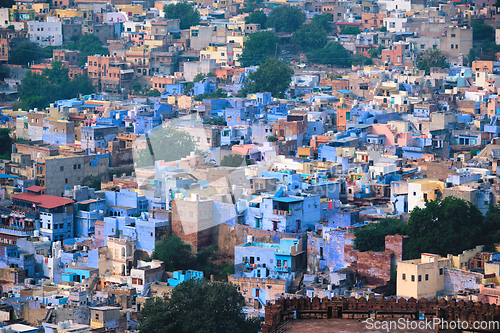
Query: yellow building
{"points": [[86, 14], [422, 277], [422, 190], [226, 55], [105, 316], [41, 8], [131, 9], [139, 56]]}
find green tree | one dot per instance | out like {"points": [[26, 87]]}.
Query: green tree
{"points": [[376, 53], [383, 29], [491, 228], [259, 46], [216, 307], [37, 91], [431, 58], [446, 226], [5, 144], [350, 30], [272, 138], [257, 17], [471, 57], [484, 39], [482, 31], [6, 3], [360, 59], [88, 45], [332, 54], [96, 183], [272, 76], [310, 37], [11, 27], [168, 144], [233, 160], [176, 254], [218, 121], [81, 84], [199, 77], [136, 86], [324, 21], [285, 18], [154, 93], [372, 236], [251, 6], [219, 93], [29, 52], [186, 12]]}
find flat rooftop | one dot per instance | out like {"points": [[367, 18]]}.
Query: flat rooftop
{"points": [[340, 325]]}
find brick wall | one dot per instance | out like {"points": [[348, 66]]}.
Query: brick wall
{"points": [[457, 280], [375, 266], [284, 309], [227, 237]]}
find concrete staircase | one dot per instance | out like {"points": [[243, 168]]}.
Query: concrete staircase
{"points": [[295, 284]]}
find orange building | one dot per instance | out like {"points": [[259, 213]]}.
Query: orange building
{"points": [[110, 74], [160, 81], [395, 55], [372, 21], [343, 115]]}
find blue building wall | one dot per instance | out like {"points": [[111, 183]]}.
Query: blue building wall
{"points": [[331, 244], [173, 89], [182, 276], [205, 86]]}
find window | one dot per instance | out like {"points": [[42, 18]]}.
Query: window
{"points": [[258, 258], [97, 316], [426, 277], [451, 45], [419, 278], [413, 278], [403, 276], [278, 263], [440, 271], [452, 35], [61, 168]]}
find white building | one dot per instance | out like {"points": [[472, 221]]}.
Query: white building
{"points": [[396, 22], [46, 33]]}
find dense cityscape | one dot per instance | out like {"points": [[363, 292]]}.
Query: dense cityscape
{"points": [[249, 166]]}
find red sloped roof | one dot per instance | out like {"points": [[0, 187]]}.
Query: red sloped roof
{"points": [[35, 188], [44, 201]]}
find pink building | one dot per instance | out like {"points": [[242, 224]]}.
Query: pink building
{"points": [[392, 138], [489, 293]]}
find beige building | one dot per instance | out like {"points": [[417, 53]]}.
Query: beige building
{"points": [[121, 252], [422, 277], [225, 56], [422, 190], [252, 287], [58, 172], [105, 316], [457, 40]]}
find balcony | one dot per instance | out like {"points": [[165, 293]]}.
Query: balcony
{"points": [[282, 212], [17, 231], [282, 269]]}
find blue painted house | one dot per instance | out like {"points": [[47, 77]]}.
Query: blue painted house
{"points": [[182, 276]]}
